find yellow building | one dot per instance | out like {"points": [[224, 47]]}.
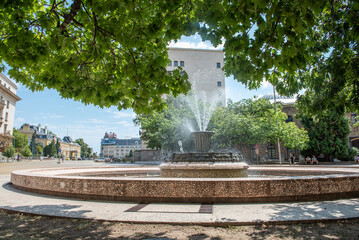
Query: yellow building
{"points": [[68, 148]]}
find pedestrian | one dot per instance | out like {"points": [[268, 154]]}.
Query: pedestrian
{"points": [[308, 160], [356, 159], [314, 160], [291, 158]]}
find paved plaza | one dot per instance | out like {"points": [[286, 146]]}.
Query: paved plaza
{"points": [[204, 214]]}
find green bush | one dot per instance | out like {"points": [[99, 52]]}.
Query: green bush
{"points": [[352, 153]]}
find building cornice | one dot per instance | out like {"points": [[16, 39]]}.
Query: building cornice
{"points": [[8, 80], [8, 92]]}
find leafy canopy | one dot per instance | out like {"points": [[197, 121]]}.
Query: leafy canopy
{"points": [[109, 52], [328, 135], [242, 123], [102, 52], [26, 152], [250, 122], [163, 130], [10, 152], [20, 140], [85, 149]]}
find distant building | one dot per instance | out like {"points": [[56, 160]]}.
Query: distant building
{"points": [[204, 69], [8, 99], [69, 149], [44, 137], [112, 147]]}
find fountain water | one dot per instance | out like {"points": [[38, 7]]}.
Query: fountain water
{"points": [[202, 163]]}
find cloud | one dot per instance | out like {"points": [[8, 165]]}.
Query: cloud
{"points": [[124, 114], [121, 114], [19, 121], [93, 121], [47, 115], [126, 123]]}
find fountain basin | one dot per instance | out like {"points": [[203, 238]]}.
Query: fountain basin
{"points": [[204, 170], [76, 183]]}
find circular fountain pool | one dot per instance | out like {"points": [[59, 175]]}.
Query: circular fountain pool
{"points": [[143, 184]]}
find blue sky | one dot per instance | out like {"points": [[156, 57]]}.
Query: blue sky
{"points": [[67, 117]]}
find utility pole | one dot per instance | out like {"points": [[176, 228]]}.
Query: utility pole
{"points": [[275, 109]]}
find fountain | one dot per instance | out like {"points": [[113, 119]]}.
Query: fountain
{"points": [[201, 176], [204, 164]]}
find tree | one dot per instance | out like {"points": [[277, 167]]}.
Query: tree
{"points": [[328, 134], [163, 130], [5, 141], [21, 140], [39, 149], [9, 152], [115, 53], [57, 147], [130, 155], [33, 144], [242, 123], [249, 122], [105, 53], [26, 152], [84, 147], [50, 150]]}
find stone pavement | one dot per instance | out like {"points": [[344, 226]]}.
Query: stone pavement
{"points": [[202, 214]]}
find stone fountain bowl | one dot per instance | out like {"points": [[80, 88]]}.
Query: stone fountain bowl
{"points": [[97, 183]]}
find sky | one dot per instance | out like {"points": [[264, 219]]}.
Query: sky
{"points": [[66, 117]]}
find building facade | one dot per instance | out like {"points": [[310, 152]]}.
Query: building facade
{"points": [[204, 69], [112, 147], [8, 99], [68, 148]]}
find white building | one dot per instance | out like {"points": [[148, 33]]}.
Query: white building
{"points": [[204, 69], [112, 147], [8, 99]]}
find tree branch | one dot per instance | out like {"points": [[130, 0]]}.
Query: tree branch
{"points": [[75, 7]]}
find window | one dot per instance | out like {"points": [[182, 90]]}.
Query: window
{"points": [[5, 128], [219, 84], [170, 64], [271, 151], [6, 116], [7, 104], [218, 65], [182, 63], [175, 63]]}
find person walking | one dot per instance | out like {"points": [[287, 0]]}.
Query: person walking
{"points": [[291, 158]]}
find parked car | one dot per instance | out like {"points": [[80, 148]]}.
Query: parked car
{"points": [[100, 160]]}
